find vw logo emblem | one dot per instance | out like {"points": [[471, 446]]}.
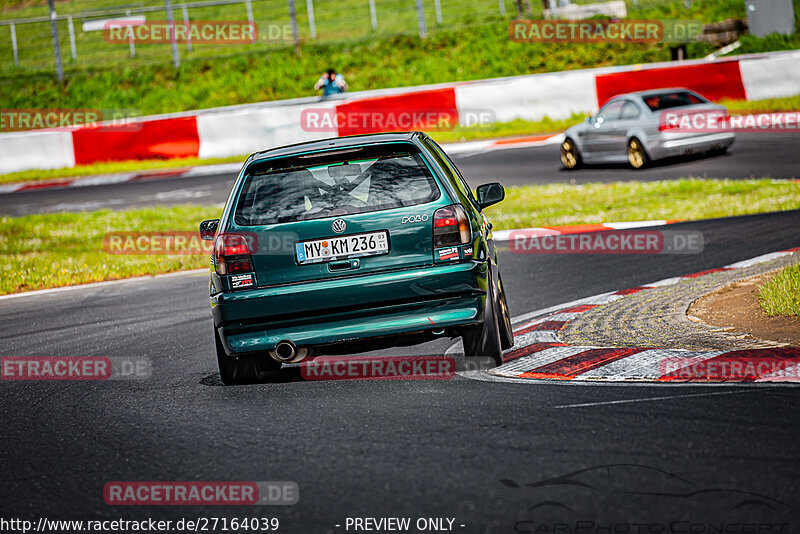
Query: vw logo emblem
{"points": [[338, 226]]}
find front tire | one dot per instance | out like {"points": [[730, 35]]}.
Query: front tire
{"points": [[235, 369], [637, 157], [570, 156]]}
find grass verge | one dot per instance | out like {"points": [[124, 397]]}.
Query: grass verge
{"points": [[687, 198], [780, 295], [52, 250]]}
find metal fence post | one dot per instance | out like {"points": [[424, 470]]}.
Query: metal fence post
{"points": [[186, 25], [173, 41], [295, 29], [133, 45], [437, 4], [56, 43], [373, 15], [312, 27], [502, 5], [423, 32], [14, 43], [72, 37], [249, 6]]}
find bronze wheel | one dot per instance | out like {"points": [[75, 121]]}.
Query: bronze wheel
{"points": [[570, 157], [636, 154]]}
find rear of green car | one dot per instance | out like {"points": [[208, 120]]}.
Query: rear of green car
{"points": [[356, 242]]}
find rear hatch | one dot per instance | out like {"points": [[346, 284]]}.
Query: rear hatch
{"points": [[338, 213]]}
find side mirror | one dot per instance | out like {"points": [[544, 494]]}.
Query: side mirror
{"points": [[208, 229], [489, 194]]}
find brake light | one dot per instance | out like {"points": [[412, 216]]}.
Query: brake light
{"points": [[451, 227], [232, 254], [664, 126]]}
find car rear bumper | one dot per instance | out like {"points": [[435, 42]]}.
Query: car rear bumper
{"points": [[670, 145], [350, 308]]}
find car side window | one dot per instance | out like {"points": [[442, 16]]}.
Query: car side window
{"points": [[612, 111], [629, 110], [447, 163]]}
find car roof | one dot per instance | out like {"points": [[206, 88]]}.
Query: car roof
{"points": [[335, 142], [652, 92]]}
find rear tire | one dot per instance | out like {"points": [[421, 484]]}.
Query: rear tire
{"points": [[637, 157], [235, 369], [570, 156], [485, 341], [504, 317]]}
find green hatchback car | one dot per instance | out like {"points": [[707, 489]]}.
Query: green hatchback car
{"points": [[350, 244]]}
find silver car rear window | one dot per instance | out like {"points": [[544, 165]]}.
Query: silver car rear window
{"points": [[674, 99]]}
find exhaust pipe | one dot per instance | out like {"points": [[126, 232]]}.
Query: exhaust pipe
{"points": [[286, 352]]}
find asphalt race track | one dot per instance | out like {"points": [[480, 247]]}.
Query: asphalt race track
{"points": [[495, 457], [773, 155]]}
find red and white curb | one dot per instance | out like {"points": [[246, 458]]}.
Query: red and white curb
{"points": [[538, 352], [469, 148]]}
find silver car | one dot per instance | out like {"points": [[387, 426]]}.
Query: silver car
{"points": [[632, 128]]}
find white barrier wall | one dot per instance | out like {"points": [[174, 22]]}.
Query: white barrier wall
{"points": [[246, 131], [22, 151], [771, 76], [555, 95]]}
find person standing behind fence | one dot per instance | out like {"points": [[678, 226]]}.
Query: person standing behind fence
{"points": [[331, 83]]}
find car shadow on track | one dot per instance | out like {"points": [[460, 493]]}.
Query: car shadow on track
{"points": [[666, 162], [283, 376]]}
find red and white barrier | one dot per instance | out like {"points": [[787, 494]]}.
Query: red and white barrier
{"points": [[237, 130]]}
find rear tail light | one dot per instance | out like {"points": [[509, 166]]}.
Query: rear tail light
{"points": [[232, 254], [451, 227], [665, 126]]}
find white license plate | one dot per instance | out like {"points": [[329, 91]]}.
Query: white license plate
{"points": [[342, 247]]}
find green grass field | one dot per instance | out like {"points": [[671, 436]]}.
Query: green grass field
{"points": [[472, 43], [52, 250], [780, 295]]}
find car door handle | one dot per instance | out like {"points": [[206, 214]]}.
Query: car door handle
{"points": [[343, 265]]}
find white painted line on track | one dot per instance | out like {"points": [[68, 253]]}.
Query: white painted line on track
{"points": [[651, 399]]}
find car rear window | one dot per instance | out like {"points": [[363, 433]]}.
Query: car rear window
{"points": [[339, 182], [675, 99]]}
